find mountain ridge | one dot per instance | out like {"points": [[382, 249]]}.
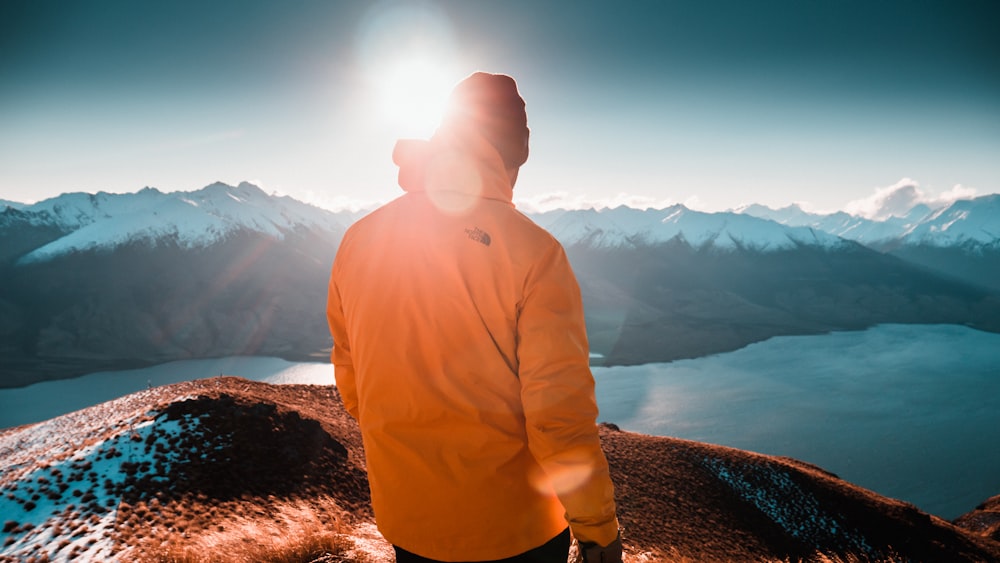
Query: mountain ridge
{"points": [[193, 219], [110, 281], [629, 227], [190, 468], [959, 241], [964, 222]]}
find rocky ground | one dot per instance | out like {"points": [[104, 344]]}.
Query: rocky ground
{"points": [[196, 470]]}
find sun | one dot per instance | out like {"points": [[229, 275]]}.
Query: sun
{"points": [[412, 95]]}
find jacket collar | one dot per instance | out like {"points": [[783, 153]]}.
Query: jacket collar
{"points": [[457, 160]]}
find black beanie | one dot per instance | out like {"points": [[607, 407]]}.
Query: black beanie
{"points": [[491, 104]]}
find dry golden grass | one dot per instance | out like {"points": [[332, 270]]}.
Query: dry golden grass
{"points": [[674, 557], [291, 533], [328, 547]]}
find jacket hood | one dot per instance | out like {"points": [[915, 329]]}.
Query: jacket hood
{"points": [[456, 160]]}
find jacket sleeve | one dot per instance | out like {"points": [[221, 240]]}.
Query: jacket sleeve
{"points": [[343, 365], [557, 391]]}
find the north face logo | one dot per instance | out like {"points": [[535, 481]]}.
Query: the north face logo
{"points": [[479, 235]]}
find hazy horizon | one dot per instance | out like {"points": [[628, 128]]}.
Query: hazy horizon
{"points": [[896, 199]]}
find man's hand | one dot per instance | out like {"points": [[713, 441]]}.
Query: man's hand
{"points": [[593, 553]]}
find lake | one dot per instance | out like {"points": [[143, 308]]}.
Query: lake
{"points": [[909, 411]]}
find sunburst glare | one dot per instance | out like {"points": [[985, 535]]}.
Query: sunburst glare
{"points": [[412, 94], [410, 64]]}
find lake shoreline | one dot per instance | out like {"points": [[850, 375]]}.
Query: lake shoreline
{"points": [[900, 409]]}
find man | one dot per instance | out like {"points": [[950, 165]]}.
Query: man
{"points": [[459, 346]]}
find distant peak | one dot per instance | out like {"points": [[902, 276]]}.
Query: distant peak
{"points": [[250, 189], [243, 190], [4, 204], [750, 208]]}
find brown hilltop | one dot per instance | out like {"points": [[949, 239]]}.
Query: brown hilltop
{"points": [[227, 469], [984, 520], [711, 503]]}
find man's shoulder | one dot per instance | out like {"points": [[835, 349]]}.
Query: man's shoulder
{"points": [[376, 216]]}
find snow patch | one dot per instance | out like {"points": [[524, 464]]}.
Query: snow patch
{"points": [[973, 222], [784, 502], [188, 219], [67, 507], [624, 227]]}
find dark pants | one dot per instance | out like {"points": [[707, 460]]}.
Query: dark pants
{"points": [[555, 550]]}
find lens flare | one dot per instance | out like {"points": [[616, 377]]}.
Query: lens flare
{"points": [[567, 472], [406, 52], [453, 183], [412, 94]]}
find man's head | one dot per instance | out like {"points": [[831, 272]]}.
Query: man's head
{"points": [[491, 104]]}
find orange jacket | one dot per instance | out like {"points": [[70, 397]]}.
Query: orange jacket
{"points": [[460, 348]]}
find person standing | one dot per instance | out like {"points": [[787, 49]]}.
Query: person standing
{"points": [[460, 348]]}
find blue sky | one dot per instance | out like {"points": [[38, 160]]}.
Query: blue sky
{"points": [[711, 103]]}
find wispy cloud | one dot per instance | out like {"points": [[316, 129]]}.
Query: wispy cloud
{"points": [[901, 197]]}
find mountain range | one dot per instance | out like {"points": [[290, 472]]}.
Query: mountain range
{"points": [[99, 281], [959, 241], [226, 469]]}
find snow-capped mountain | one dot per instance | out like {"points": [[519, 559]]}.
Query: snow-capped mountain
{"points": [[188, 219], [90, 282], [965, 223], [841, 224], [959, 241], [972, 222], [671, 283], [200, 218], [625, 227]]}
